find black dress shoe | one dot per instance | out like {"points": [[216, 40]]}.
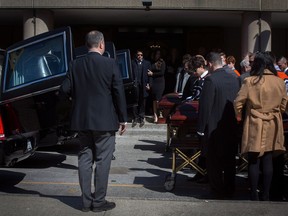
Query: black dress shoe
{"points": [[86, 209], [254, 196], [105, 207], [142, 123], [134, 122]]}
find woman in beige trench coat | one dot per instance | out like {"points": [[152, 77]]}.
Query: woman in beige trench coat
{"points": [[263, 96]]}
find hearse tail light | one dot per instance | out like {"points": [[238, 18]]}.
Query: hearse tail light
{"points": [[2, 134]]}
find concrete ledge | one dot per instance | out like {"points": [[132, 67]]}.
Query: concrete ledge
{"points": [[264, 5]]}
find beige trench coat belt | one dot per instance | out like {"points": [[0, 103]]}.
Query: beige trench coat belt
{"points": [[262, 121]]}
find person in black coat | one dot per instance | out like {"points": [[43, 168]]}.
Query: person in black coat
{"points": [[140, 68], [98, 110], [217, 121], [157, 73]]}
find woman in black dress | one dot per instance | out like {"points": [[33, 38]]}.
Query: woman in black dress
{"points": [[158, 82]]}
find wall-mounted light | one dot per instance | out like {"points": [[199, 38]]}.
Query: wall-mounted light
{"points": [[147, 4]]}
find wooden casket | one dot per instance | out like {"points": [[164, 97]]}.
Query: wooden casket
{"points": [[182, 124]]}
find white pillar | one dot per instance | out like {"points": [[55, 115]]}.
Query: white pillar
{"points": [[36, 22], [256, 32], [266, 34]]}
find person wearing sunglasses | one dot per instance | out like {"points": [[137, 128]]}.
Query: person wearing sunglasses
{"points": [[140, 68]]}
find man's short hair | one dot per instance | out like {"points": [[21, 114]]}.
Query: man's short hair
{"points": [[93, 39], [186, 58], [214, 58], [223, 54], [230, 59], [139, 50], [198, 61]]}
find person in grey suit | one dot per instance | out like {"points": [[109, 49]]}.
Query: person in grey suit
{"points": [[218, 123], [98, 111]]}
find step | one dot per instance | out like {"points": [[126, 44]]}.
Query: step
{"points": [[148, 129]]}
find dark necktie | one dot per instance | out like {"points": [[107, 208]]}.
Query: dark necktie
{"points": [[180, 83], [139, 71]]}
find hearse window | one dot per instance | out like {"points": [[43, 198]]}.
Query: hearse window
{"points": [[1, 63], [35, 62], [124, 62]]}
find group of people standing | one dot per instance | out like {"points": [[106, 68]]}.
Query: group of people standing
{"points": [[95, 87], [252, 105], [249, 105]]}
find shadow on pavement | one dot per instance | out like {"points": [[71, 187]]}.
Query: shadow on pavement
{"points": [[10, 179], [182, 186], [45, 160]]}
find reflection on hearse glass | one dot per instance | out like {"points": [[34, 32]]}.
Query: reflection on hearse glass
{"points": [[1, 62], [122, 62], [107, 54], [34, 62]]}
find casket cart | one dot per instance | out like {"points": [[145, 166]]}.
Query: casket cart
{"points": [[183, 140], [166, 107]]}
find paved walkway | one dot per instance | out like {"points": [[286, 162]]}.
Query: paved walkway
{"points": [[12, 205], [47, 184]]}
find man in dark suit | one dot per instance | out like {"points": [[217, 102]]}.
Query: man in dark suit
{"points": [[217, 121], [98, 110], [140, 68]]}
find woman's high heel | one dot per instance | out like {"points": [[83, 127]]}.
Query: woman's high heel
{"points": [[155, 120]]}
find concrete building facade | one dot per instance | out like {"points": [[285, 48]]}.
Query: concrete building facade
{"points": [[234, 27]]}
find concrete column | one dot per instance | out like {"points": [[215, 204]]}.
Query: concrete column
{"points": [[256, 32], [36, 22]]}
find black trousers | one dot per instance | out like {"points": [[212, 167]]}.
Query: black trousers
{"points": [[139, 110], [277, 190], [221, 165]]}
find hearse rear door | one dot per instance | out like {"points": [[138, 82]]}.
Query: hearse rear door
{"points": [[32, 74], [123, 58]]}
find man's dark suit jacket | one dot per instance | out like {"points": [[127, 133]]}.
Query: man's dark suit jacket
{"points": [[188, 89], [141, 77], [216, 112], [98, 100]]}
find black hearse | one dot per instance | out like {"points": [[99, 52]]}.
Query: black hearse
{"points": [[31, 112]]}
